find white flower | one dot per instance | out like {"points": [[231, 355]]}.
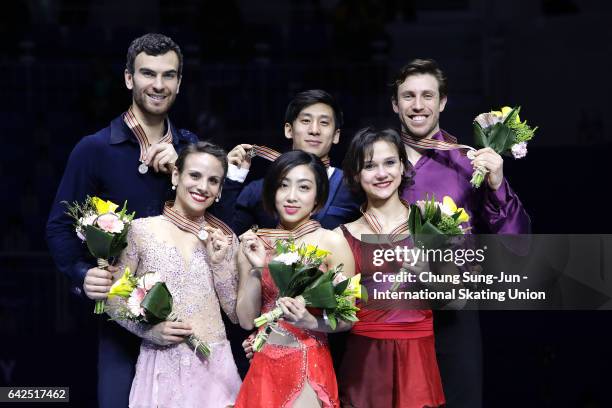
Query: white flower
{"points": [[288, 258], [148, 280], [88, 220], [339, 278], [488, 119], [446, 210], [519, 150], [134, 301], [79, 232]]}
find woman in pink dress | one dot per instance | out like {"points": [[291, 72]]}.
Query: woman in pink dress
{"points": [[390, 358], [294, 367], [200, 273]]}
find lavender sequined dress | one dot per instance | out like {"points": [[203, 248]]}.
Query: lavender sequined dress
{"points": [[173, 376]]}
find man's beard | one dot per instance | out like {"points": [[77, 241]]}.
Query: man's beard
{"points": [[140, 97]]}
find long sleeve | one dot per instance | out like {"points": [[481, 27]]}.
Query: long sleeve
{"points": [[68, 252], [225, 279], [503, 211], [130, 258]]}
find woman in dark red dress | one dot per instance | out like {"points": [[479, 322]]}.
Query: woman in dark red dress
{"points": [[390, 358], [294, 367]]}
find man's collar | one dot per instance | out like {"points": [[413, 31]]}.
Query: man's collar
{"points": [[120, 132]]}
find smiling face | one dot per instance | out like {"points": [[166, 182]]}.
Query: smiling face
{"points": [[154, 84], [381, 174], [314, 130], [418, 105], [198, 184], [295, 198]]}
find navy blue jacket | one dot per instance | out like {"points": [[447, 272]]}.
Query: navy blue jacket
{"points": [[105, 164], [241, 206]]}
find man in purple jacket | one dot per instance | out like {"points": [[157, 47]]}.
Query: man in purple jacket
{"points": [[419, 95]]}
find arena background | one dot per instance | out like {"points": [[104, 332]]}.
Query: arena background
{"points": [[61, 70]]}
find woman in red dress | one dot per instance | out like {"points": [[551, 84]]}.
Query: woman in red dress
{"points": [[390, 358], [294, 367]]}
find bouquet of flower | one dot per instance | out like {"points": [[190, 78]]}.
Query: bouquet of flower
{"points": [[502, 131], [296, 273], [149, 301], [103, 230], [432, 224]]}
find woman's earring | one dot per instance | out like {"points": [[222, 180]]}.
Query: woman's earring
{"points": [[173, 187], [218, 198]]}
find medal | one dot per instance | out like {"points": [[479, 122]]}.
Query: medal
{"points": [[195, 228], [202, 235], [130, 120]]}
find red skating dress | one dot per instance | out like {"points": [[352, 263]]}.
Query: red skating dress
{"points": [[390, 356], [278, 373]]}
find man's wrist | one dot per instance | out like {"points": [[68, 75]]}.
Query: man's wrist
{"points": [[236, 173]]}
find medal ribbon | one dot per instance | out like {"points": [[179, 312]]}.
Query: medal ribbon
{"points": [[193, 227], [376, 225], [270, 154], [280, 233], [130, 120], [449, 142]]}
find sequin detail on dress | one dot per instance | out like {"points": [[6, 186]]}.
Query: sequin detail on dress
{"points": [[173, 376]]}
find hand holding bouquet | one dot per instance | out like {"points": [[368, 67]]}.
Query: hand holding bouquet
{"points": [[103, 230], [296, 273], [150, 301], [503, 132]]}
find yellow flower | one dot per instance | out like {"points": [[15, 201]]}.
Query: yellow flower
{"points": [[311, 251], [124, 286], [354, 287], [103, 207], [497, 113], [450, 204], [505, 111]]}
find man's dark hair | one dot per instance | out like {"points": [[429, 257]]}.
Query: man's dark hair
{"points": [[152, 44], [307, 98], [283, 165], [202, 147], [420, 66], [361, 150]]}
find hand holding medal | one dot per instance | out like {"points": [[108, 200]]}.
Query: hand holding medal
{"points": [[217, 244]]}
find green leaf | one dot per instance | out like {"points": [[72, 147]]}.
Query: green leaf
{"points": [[364, 294], [480, 140], [515, 111], [157, 303], [333, 323], [321, 296], [341, 287], [301, 281], [501, 138], [436, 217], [414, 219], [99, 242], [281, 274]]}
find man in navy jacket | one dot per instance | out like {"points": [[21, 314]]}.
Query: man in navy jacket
{"points": [[312, 122], [127, 161]]}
